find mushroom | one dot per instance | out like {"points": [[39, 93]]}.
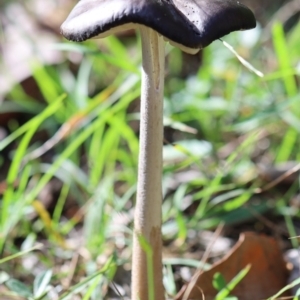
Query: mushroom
{"points": [[189, 25]]}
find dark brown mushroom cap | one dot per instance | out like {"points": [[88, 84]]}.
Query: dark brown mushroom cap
{"points": [[191, 23]]}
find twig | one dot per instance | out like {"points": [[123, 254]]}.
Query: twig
{"points": [[204, 259], [278, 180]]}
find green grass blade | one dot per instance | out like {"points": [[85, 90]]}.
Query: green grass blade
{"points": [[150, 272], [47, 112], [87, 280], [283, 56], [286, 288], [233, 283], [15, 167], [19, 254]]}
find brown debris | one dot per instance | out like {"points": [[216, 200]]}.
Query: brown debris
{"points": [[268, 273]]}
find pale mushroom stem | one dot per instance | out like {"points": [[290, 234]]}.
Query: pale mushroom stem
{"points": [[147, 219]]}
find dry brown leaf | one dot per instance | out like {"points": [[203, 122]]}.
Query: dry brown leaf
{"points": [[268, 273]]}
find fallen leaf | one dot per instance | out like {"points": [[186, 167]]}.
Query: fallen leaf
{"points": [[268, 273]]}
